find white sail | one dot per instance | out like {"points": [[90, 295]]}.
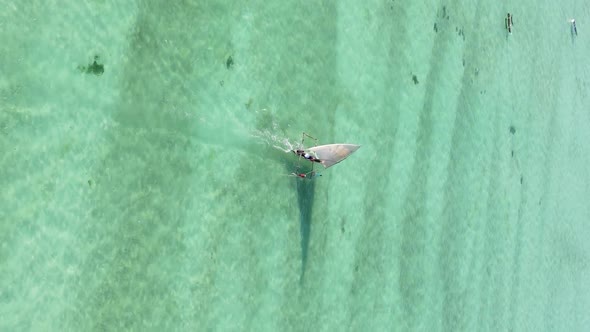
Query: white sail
{"points": [[331, 154]]}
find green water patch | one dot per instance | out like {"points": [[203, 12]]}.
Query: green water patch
{"points": [[143, 174]]}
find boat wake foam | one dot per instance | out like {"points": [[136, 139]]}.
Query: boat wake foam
{"points": [[270, 137]]}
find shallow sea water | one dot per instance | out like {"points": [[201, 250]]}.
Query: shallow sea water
{"points": [[144, 183]]}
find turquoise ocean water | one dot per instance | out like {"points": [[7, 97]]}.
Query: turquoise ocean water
{"points": [[144, 184]]}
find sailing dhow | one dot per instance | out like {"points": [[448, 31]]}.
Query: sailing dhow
{"points": [[328, 155]]}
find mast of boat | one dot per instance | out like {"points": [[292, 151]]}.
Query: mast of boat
{"points": [[309, 136]]}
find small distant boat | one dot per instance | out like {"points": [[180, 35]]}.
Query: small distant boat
{"points": [[508, 22], [328, 155], [574, 28]]}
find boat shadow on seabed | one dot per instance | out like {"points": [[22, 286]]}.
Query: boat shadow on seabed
{"points": [[305, 195]]}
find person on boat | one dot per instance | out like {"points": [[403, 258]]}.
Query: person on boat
{"points": [[307, 156], [309, 175]]}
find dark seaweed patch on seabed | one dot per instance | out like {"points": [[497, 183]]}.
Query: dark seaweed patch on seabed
{"points": [[460, 32], [442, 14], [512, 129], [93, 68]]}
